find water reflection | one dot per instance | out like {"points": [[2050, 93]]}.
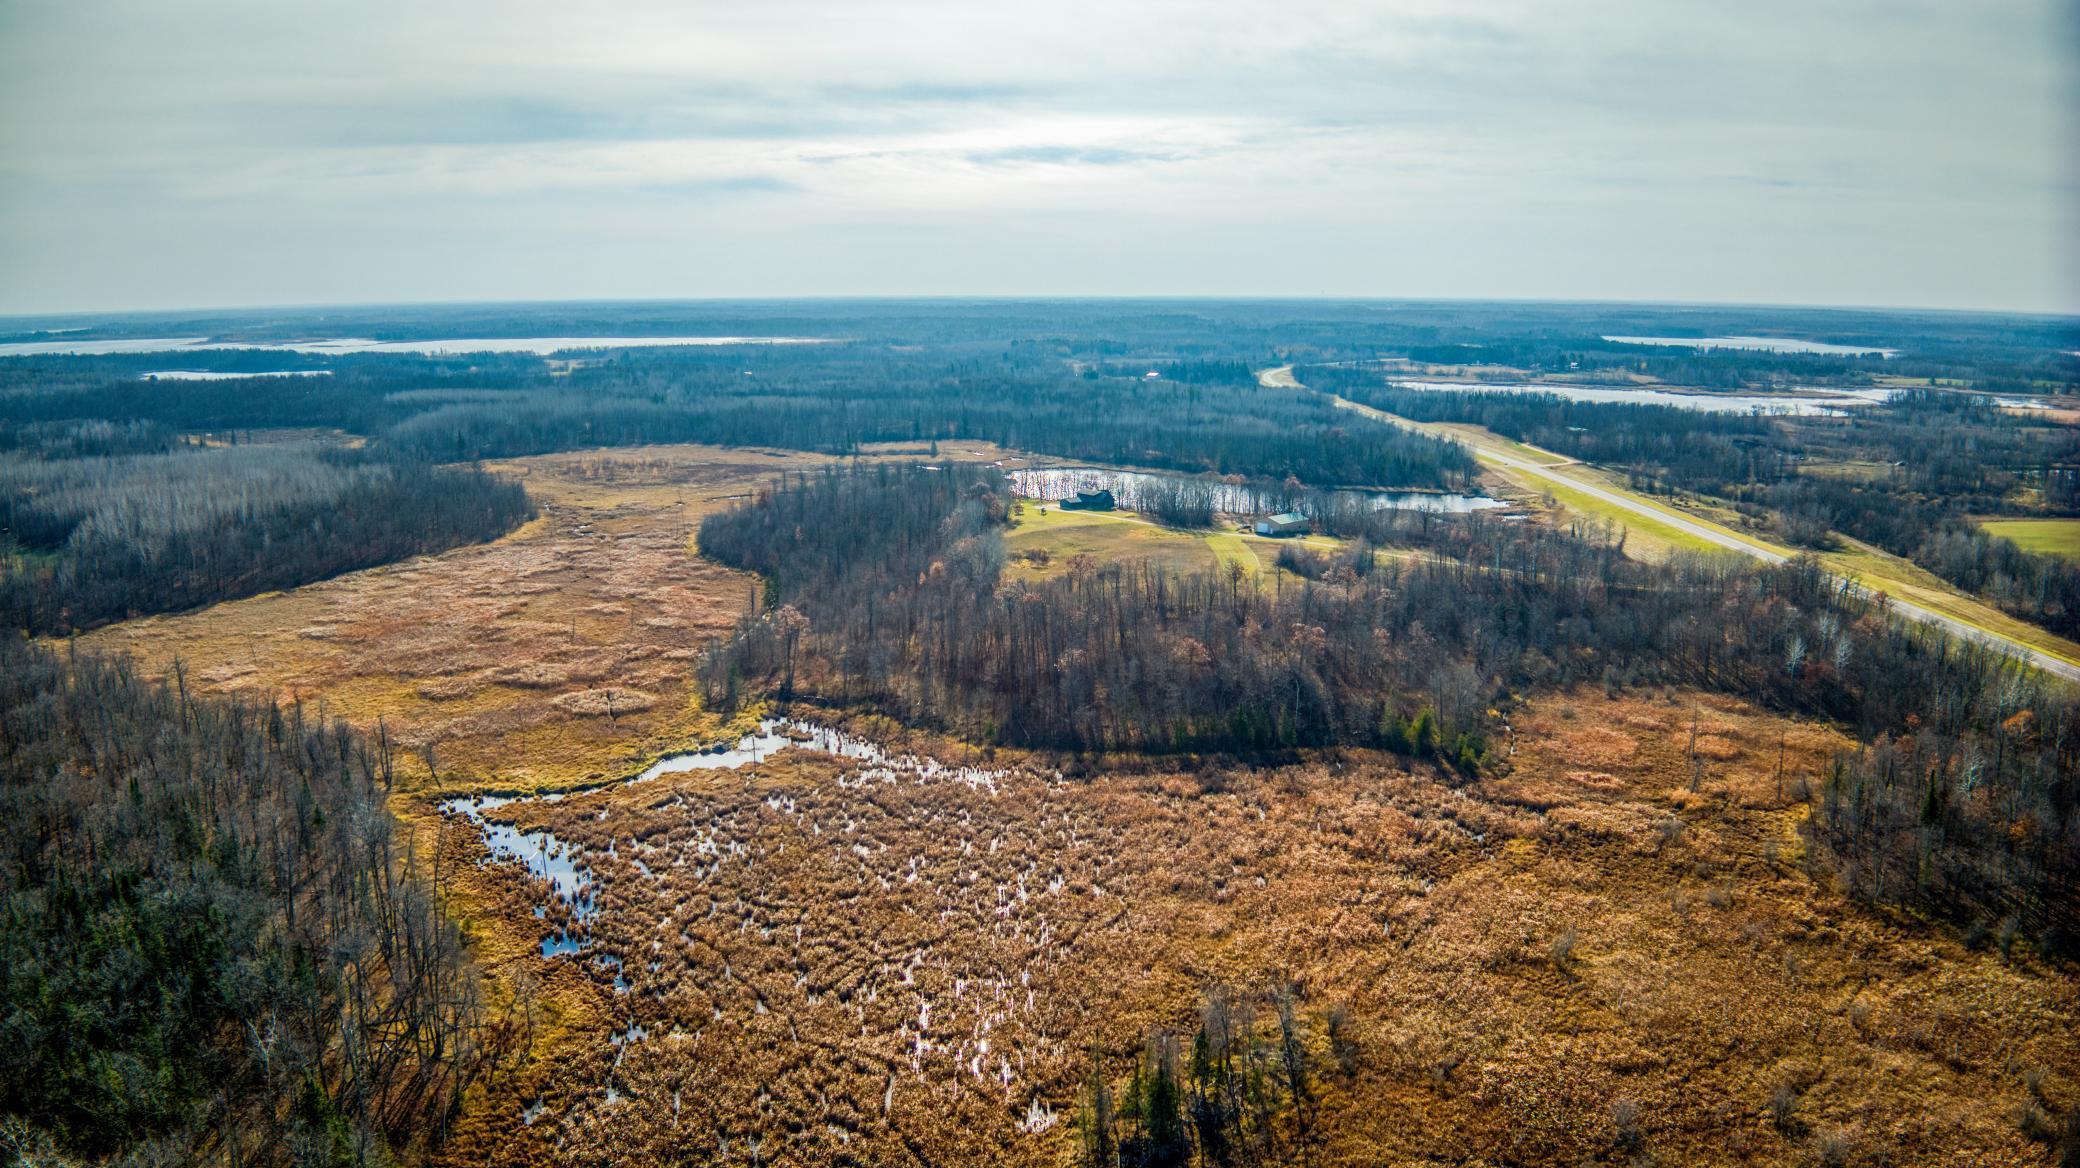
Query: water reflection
{"points": [[560, 863], [214, 375], [1133, 490], [541, 346], [1833, 403], [1759, 344]]}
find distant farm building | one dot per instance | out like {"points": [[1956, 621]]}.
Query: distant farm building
{"points": [[1090, 501], [1281, 526]]}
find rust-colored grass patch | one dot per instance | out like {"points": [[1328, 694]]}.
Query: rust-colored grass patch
{"points": [[819, 955], [611, 701], [1601, 747], [1596, 780], [1717, 747], [474, 654]]}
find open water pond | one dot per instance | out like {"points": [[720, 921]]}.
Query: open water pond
{"points": [[1828, 403], [1759, 344], [1133, 490]]}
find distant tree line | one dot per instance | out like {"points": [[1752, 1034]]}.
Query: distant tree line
{"points": [[1201, 372], [1721, 368], [1941, 538], [216, 949], [96, 539], [835, 398], [85, 438], [1224, 428]]}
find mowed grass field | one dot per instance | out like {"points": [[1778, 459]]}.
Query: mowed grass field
{"points": [[1125, 537], [2051, 537], [1105, 536]]}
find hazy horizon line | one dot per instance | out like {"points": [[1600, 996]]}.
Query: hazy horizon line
{"points": [[2070, 315]]}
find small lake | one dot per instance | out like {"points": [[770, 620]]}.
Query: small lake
{"points": [[2008, 402], [1759, 344], [1812, 404], [1131, 488], [541, 346], [213, 375]]}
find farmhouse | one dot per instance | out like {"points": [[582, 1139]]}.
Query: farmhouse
{"points": [[1089, 501], [1288, 524]]}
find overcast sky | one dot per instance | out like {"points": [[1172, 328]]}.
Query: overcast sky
{"points": [[220, 152]]}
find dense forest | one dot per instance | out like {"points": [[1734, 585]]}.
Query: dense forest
{"points": [[1027, 403], [826, 398], [217, 950], [1060, 378], [883, 587], [100, 537]]}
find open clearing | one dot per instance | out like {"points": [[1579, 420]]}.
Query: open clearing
{"points": [[552, 656], [1106, 536], [2051, 537], [1045, 539]]}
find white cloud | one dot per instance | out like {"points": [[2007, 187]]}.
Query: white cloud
{"points": [[242, 151]]}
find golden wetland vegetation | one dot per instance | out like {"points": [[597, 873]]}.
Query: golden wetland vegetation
{"points": [[1608, 945]]}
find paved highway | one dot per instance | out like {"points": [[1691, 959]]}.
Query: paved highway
{"points": [[1282, 378], [1726, 539]]}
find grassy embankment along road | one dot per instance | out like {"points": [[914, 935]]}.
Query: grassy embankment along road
{"points": [[1910, 592]]}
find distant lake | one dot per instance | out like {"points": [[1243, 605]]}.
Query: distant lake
{"points": [[541, 346], [1055, 483], [1830, 404], [213, 375], [1762, 344], [2024, 403]]}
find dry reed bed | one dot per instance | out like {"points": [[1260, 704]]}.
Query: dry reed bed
{"points": [[817, 959], [553, 655], [429, 648]]}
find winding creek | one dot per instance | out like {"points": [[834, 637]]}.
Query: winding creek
{"points": [[560, 864]]}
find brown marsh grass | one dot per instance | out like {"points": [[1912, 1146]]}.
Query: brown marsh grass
{"points": [[1608, 948]]}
